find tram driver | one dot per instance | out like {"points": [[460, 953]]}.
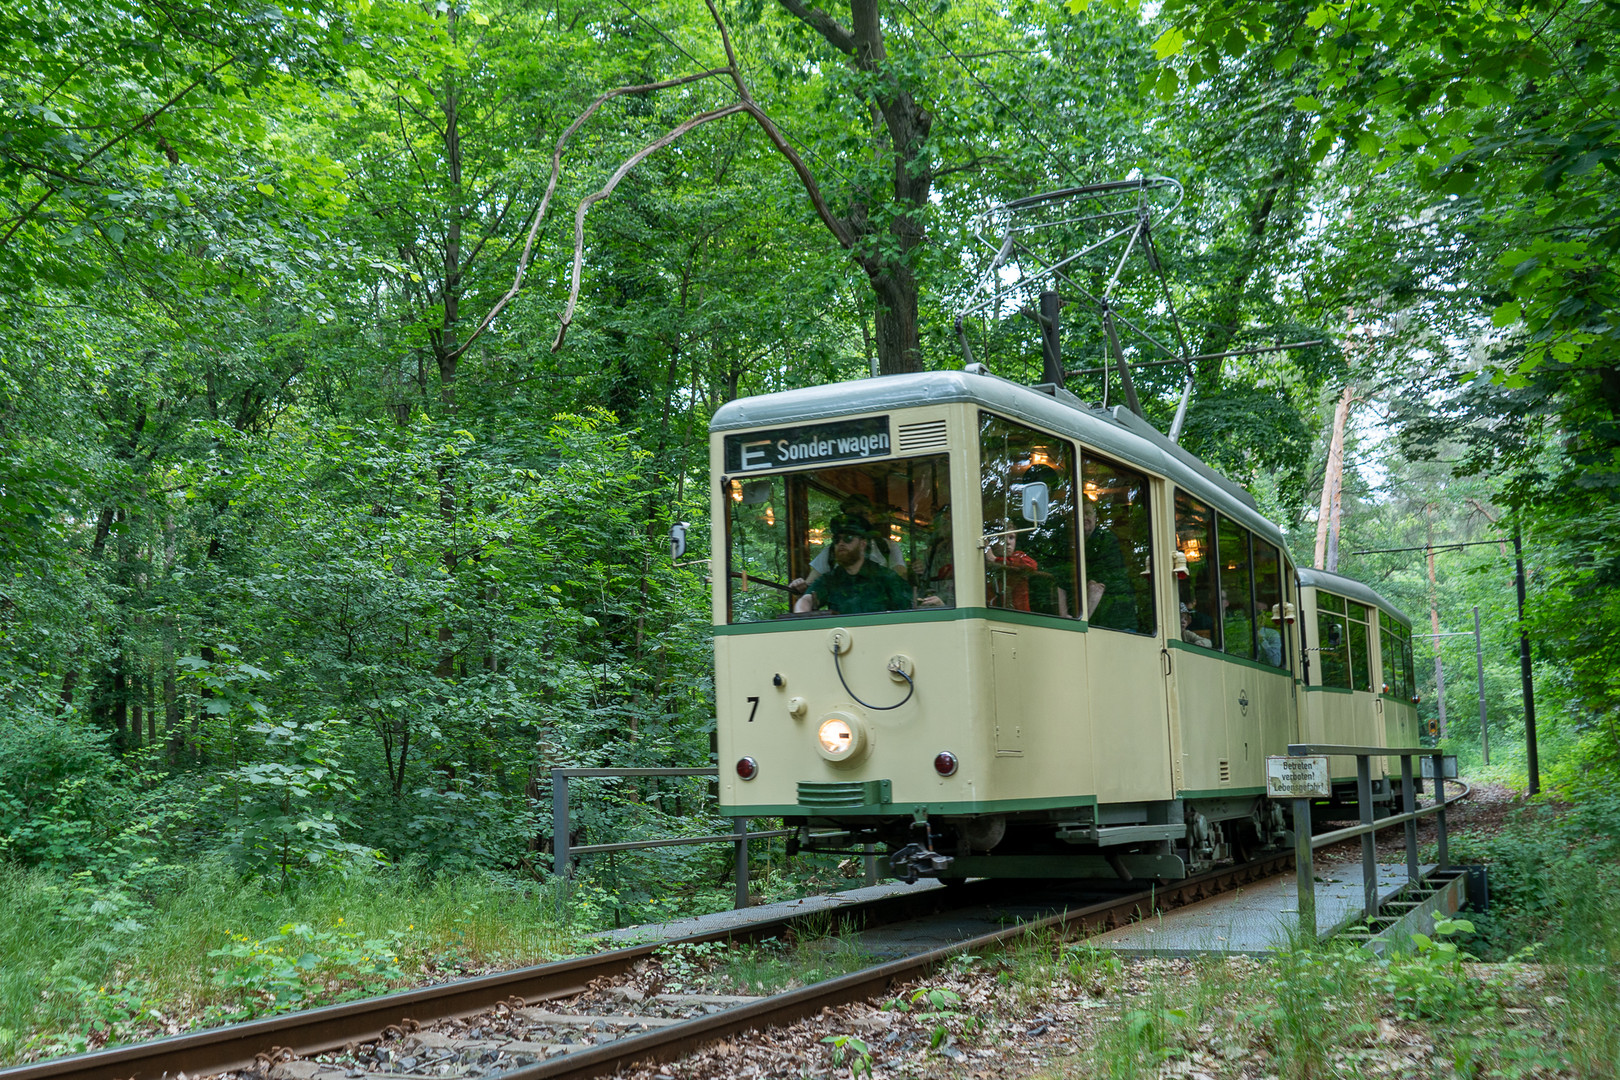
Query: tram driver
{"points": [[857, 585], [882, 550]]}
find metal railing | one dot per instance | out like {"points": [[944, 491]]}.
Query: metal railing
{"points": [[563, 851], [1305, 844]]}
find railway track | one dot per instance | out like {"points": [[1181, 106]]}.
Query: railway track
{"points": [[493, 1025]]}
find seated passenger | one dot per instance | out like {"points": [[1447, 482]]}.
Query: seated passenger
{"points": [[1009, 570], [1188, 634], [1110, 601], [1237, 626], [1271, 647], [856, 585], [938, 570]]}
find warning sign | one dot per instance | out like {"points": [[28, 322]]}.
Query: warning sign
{"points": [[1297, 778]]}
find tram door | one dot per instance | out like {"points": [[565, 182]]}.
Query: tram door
{"points": [[1129, 698]]}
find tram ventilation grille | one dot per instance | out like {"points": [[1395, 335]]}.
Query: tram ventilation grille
{"points": [[1226, 772], [922, 436], [843, 796]]}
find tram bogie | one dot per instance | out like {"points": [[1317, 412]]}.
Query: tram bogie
{"points": [[998, 632]]}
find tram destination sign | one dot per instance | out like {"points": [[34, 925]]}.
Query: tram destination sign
{"points": [[808, 444], [1298, 777]]}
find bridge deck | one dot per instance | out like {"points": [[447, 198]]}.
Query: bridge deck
{"points": [[1254, 919]]}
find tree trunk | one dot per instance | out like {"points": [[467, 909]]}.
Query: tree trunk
{"points": [[1327, 517], [886, 253], [1434, 627], [444, 346]]}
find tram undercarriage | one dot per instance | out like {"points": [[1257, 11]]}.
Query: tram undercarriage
{"points": [[1163, 841]]}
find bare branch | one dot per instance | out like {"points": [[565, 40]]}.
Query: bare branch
{"points": [[551, 188], [607, 189], [837, 226]]}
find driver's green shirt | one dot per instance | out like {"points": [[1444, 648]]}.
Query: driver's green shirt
{"points": [[874, 588]]}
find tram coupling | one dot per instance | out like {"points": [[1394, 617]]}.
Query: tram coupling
{"points": [[915, 860]]}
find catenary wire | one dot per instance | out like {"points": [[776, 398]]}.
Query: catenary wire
{"points": [[1045, 149]]}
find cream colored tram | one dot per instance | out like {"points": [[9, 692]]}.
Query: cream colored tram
{"points": [[1358, 686], [996, 631]]}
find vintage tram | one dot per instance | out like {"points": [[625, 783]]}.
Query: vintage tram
{"points": [[1003, 633]]}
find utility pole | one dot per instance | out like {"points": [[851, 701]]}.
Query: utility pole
{"points": [[1532, 757], [1479, 662]]}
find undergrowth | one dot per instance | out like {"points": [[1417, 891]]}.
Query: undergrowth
{"points": [[216, 949]]}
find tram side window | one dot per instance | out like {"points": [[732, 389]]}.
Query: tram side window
{"points": [[1027, 567], [1268, 595], [1360, 656], [1403, 676], [1237, 577], [850, 540], [1195, 539], [1410, 689], [1333, 646], [1391, 650], [1118, 546]]}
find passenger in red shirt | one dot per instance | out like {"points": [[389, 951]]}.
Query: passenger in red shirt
{"points": [[1009, 573]]}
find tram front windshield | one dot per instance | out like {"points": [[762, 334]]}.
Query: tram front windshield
{"points": [[850, 540]]}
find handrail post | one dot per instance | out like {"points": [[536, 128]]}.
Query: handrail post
{"points": [[1304, 870], [740, 826], [1408, 805], [1444, 858], [559, 823], [1369, 849]]}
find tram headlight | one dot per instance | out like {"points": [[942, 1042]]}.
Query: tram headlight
{"points": [[842, 738], [945, 763], [837, 736], [747, 768]]}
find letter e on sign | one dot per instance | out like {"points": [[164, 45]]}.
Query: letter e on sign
{"points": [[1298, 777], [753, 457]]}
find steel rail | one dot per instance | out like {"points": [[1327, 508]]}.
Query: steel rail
{"points": [[224, 1049], [677, 1040]]}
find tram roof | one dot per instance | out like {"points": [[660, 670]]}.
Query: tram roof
{"points": [[1117, 432], [1355, 590]]}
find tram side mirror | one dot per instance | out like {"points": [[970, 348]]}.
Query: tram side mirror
{"points": [[756, 492], [677, 539], [1037, 501]]}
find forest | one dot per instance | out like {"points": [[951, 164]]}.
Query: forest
{"points": [[359, 355]]}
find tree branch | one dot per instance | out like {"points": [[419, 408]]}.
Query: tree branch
{"points": [[822, 23], [551, 188], [607, 189], [143, 123], [837, 226]]}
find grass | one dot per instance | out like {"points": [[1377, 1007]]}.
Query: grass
{"points": [[76, 979], [764, 967], [1546, 1004]]}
